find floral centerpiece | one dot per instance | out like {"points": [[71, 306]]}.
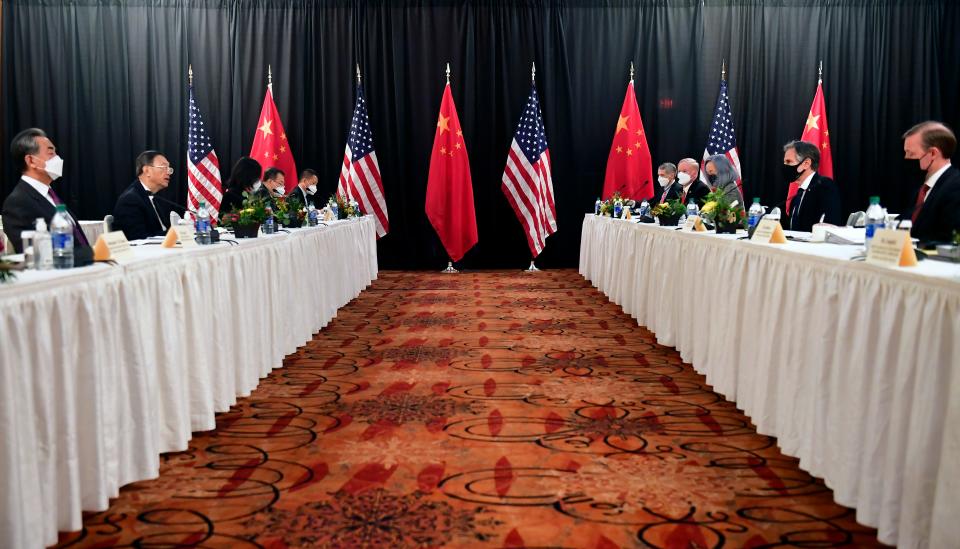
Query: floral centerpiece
{"points": [[289, 211], [726, 216], [245, 221], [669, 212], [345, 208], [609, 206]]}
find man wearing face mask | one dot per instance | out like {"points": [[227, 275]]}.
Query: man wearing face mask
{"points": [[36, 157], [669, 188], [306, 188], [689, 178], [936, 213], [817, 197], [273, 185], [137, 214]]}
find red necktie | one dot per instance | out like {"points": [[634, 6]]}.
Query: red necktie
{"points": [[924, 189]]}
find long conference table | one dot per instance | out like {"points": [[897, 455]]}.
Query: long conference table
{"points": [[855, 368], [103, 368]]}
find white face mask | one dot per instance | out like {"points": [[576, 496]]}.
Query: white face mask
{"points": [[312, 189], [256, 186], [684, 179], [54, 167], [278, 190], [663, 181]]}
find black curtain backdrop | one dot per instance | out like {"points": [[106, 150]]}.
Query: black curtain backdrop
{"points": [[107, 79]]}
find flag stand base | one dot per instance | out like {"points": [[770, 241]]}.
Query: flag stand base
{"points": [[532, 268], [449, 268]]}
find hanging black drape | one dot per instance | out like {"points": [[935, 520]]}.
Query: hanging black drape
{"points": [[107, 79]]}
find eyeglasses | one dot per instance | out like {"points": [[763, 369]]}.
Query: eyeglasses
{"points": [[169, 169]]}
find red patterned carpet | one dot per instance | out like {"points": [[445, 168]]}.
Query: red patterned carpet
{"points": [[494, 409]]}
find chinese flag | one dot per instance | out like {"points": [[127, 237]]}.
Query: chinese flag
{"points": [[449, 186], [816, 132], [270, 146], [629, 168]]}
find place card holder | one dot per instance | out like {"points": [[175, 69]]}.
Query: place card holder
{"points": [[769, 231], [112, 246], [184, 233], [694, 224], [892, 248]]}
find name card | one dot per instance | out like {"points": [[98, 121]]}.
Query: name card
{"points": [[184, 233], [112, 245], [769, 231], [892, 248], [694, 224]]}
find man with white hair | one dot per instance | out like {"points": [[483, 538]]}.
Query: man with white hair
{"points": [[691, 186]]}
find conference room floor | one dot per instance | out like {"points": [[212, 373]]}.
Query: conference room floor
{"points": [[496, 408]]}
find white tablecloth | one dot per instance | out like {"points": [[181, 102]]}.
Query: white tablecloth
{"points": [[102, 368], [854, 368]]}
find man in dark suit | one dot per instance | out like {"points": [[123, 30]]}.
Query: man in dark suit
{"points": [[136, 213], [936, 213], [818, 196], [691, 186], [306, 189], [272, 187], [35, 156], [669, 187]]}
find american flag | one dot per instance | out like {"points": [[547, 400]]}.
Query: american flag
{"points": [[203, 168], [723, 139], [527, 179], [360, 174]]}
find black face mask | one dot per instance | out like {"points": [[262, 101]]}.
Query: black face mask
{"points": [[712, 179], [915, 167], [789, 173]]}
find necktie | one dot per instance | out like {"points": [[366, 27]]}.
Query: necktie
{"points": [[797, 201], [924, 189], [78, 235]]}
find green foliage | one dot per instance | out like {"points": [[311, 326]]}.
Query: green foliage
{"points": [[289, 210], [6, 273], [720, 211], [670, 208], [252, 212]]}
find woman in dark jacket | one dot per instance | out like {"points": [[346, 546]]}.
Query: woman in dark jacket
{"points": [[243, 178]]}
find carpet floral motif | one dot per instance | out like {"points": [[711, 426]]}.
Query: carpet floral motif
{"points": [[487, 409]]}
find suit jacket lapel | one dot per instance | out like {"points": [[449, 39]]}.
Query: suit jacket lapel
{"points": [[41, 200]]}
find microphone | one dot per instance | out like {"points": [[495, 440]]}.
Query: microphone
{"points": [[172, 203]]}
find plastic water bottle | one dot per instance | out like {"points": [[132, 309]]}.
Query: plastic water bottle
{"points": [[203, 224], [269, 224], [596, 207], [312, 215], [644, 209], [42, 247], [754, 214], [617, 208], [875, 219], [335, 209], [61, 234], [692, 209]]}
